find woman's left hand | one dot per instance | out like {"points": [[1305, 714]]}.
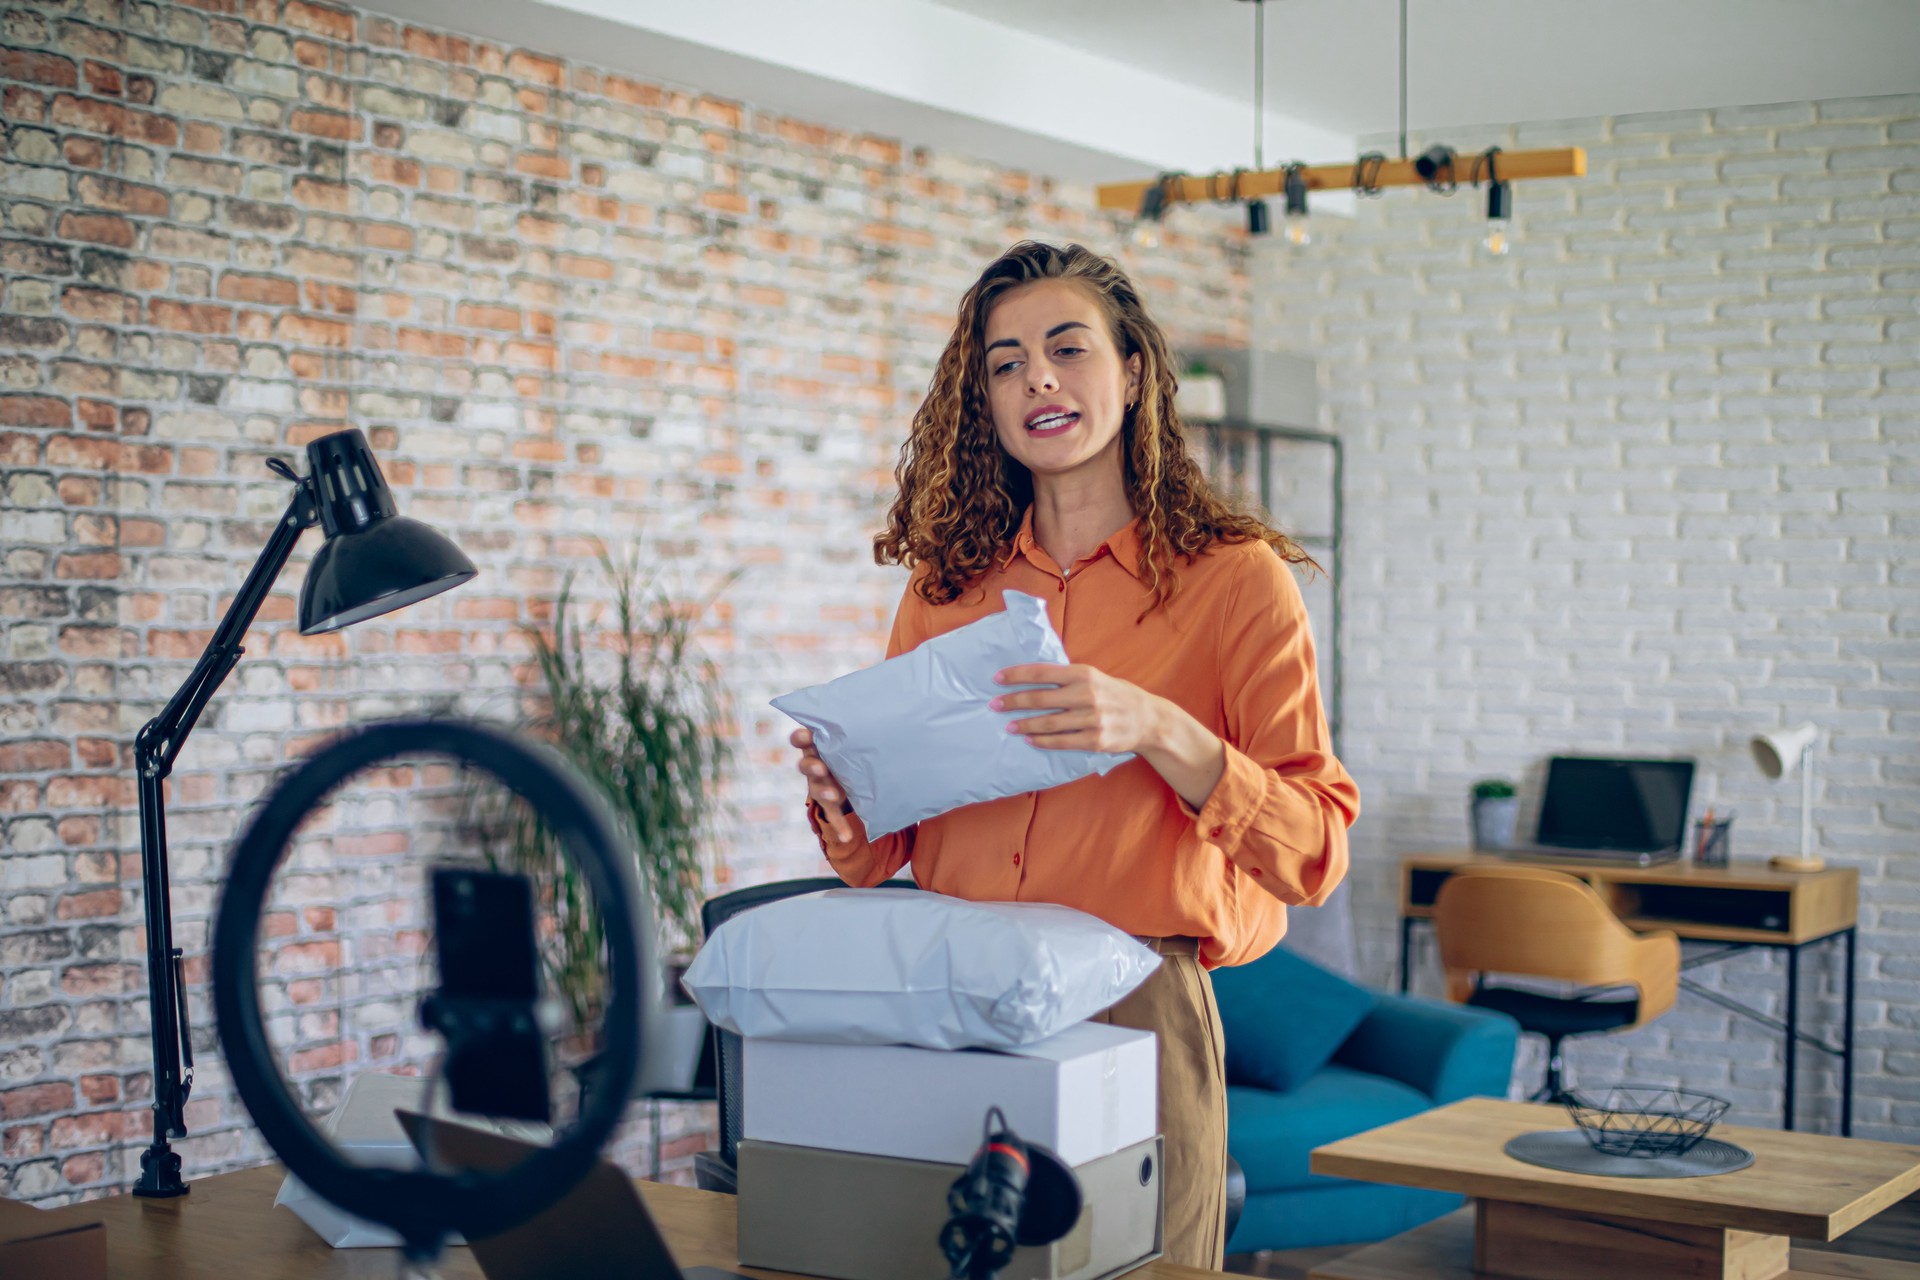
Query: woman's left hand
{"points": [[1091, 710]]}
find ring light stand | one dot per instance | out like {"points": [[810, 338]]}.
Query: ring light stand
{"points": [[425, 1206]]}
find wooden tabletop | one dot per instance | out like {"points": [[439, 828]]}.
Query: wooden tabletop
{"points": [[1807, 1185], [1443, 1250], [228, 1228]]}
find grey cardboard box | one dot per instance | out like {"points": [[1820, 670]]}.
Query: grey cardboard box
{"points": [[861, 1217]]}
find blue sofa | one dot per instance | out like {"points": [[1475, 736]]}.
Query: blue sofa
{"points": [[1405, 1056]]}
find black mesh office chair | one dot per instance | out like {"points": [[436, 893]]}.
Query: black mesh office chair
{"points": [[716, 1170]]}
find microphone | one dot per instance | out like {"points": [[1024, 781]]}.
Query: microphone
{"points": [[1012, 1193]]}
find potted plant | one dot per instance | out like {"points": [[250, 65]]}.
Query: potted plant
{"points": [[639, 711], [1494, 808], [1201, 395]]}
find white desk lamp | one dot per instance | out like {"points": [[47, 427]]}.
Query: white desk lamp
{"points": [[1777, 754]]}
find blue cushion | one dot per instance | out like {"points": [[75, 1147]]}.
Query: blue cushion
{"points": [[1271, 1134], [1446, 1051], [1283, 1017], [1339, 1212]]}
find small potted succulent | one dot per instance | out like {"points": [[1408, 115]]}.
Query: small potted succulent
{"points": [[1494, 808]]}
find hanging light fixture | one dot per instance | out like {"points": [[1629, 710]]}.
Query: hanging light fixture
{"points": [[1296, 190], [1499, 204], [1257, 217], [1153, 207], [1434, 168]]}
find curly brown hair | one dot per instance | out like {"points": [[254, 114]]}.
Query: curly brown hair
{"points": [[962, 497]]}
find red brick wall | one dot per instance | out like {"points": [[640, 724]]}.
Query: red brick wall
{"points": [[564, 305]]}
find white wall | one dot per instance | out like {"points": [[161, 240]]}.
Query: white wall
{"points": [[1648, 485]]}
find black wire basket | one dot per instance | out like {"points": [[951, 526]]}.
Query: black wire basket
{"points": [[1645, 1120]]}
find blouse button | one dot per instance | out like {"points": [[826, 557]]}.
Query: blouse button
{"points": [[1217, 832], [1016, 859], [1253, 871]]}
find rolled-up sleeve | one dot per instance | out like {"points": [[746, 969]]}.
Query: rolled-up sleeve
{"points": [[861, 862], [1281, 810]]}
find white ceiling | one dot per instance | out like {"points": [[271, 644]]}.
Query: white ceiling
{"points": [[1096, 90], [1334, 63], [909, 69]]}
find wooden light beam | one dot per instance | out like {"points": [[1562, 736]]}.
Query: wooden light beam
{"points": [[1561, 162]]}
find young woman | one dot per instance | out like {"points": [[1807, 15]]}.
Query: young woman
{"points": [[1047, 459]]}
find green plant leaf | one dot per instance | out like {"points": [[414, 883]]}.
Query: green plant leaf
{"points": [[641, 713]]}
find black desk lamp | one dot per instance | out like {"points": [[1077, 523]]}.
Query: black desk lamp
{"points": [[373, 562]]}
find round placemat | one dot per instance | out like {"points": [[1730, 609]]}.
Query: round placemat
{"points": [[1569, 1151]]}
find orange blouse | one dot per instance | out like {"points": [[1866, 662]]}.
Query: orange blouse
{"points": [[1235, 650]]}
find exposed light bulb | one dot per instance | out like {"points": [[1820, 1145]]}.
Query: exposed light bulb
{"points": [[1499, 216], [1153, 207], [1295, 186]]}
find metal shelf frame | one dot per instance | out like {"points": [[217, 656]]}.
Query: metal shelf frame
{"points": [[1220, 435]]}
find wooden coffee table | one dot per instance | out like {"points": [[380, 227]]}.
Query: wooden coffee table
{"points": [[1542, 1224]]}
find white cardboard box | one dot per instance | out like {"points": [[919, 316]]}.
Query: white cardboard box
{"points": [[1085, 1093]]}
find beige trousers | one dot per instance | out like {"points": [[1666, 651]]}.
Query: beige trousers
{"points": [[1176, 1004]]}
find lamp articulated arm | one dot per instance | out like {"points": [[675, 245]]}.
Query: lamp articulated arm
{"points": [[154, 750], [373, 562]]}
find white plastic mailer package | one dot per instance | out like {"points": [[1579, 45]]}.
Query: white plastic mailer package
{"points": [[906, 966], [912, 737], [1084, 1093]]}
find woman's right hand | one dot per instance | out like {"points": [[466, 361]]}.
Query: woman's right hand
{"points": [[822, 787]]}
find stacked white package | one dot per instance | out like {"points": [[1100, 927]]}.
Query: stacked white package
{"points": [[1085, 1093]]}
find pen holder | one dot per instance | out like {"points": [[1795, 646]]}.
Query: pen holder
{"points": [[1711, 842]]}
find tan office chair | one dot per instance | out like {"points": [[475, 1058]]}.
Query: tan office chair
{"points": [[1546, 924]]}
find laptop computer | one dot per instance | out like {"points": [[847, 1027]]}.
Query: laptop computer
{"points": [[600, 1230], [1613, 810]]}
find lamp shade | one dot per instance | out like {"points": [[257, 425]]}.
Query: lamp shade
{"points": [[1777, 753], [374, 561]]}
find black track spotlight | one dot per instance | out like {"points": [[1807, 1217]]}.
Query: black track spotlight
{"points": [[1435, 167]]}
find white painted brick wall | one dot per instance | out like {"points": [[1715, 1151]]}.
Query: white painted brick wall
{"points": [[1648, 485]]}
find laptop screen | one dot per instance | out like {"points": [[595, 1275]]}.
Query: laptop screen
{"points": [[1637, 806]]}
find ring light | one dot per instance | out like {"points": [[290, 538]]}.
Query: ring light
{"points": [[423, 1206]]}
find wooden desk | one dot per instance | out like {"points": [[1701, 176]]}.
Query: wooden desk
{"points": [[229, 1229], [1531, 1221], [1739, 907]]}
